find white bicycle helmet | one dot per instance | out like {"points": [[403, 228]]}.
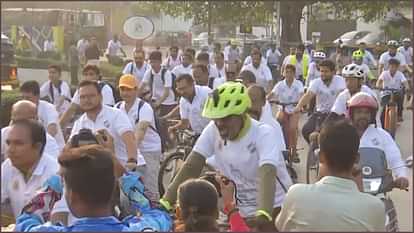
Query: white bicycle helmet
{"points": [[392, 43], [319, 55], [353, 70], [406, 40]]}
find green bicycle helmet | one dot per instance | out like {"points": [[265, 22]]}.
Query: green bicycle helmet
{"points": [[230, 98], [357, 54]]}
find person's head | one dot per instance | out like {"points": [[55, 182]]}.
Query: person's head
{"points": [[393, 65], [362, 46], [357, 56], [192, 52], [200, 74], [23, 109], [25, 143], [90, 96], [30, 90], [115, 37], [203, 58], [247, 77], [187, 58], [354, 77], [155, 60], [289, 72], [327, 69], [362, 109], [392, 47], [89, 177], [54, 72], [184, 85], [128, 88], [256, 57], [227, 106], [233, 43], [198, 205], [406, 42], [300, 49], [232, 69], [318, 56], [337, 155], [257, 96], [139, 57], [91, 73], [273, 46], [174, 51], [219, 59]]}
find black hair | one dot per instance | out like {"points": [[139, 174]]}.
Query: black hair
{"points": [[186, 77], [201, 66], [84, 83], [340, 154], [31, 86], [89, 171], [328, 63], [37, 131], [394, 61], [247, 75], [203, 57], [301, 47], [220, 53], [155, 55], [94, 68], [174, 47], [261, 91], [197, 199], [56, 67], [191, 51]]}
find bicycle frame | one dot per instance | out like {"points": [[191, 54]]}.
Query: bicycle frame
{"points": [[390, 117]]}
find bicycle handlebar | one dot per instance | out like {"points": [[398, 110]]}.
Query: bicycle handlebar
{"points": [[282, 104]]}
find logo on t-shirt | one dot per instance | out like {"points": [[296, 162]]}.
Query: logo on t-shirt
{"points": [[375, 141], [252, 148], [107, 124]]}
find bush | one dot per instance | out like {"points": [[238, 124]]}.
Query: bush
{"points": [[39, 63], [8, 98], [110, 71]]}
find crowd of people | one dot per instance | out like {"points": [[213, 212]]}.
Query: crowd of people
{"points": [[90, 161]]}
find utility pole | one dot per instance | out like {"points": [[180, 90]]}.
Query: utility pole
{"points": [[209, 23]]}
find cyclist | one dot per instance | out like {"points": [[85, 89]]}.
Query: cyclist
{"points": [[300, 60], [193, 98], [367, 57], [220, 65], [248, 59], [186, 66], [232, 53], [173, 59], [204, 58], [340, 58], [138, 67], [114, 46], [325, 89], [260, 70], [313, 72], [392, 53], [395, 79], [273, 60], [245, 153], [407, 50], [358, 59], [362, 109], [289, 90]]}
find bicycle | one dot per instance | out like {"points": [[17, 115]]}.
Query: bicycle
{"points": [[388, 100], [174, 160], [312, 159]]}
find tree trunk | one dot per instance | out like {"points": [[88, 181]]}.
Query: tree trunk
{"points": [[291, 14]]}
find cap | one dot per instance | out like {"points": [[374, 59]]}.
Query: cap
{"points": [[128, 80]]}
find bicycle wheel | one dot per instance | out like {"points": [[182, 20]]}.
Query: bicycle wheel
{"points": [[168, 170], [312, 165]]}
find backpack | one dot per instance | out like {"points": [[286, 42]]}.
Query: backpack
{"points": [[156, 121], [163, 70], [52, 94], [115, 92]]}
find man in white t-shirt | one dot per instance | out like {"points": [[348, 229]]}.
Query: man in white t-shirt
{"points": [[232, 53], [90, 72], [186, 66], [56, 90], [49, 46], [392, 53], [393, 79], [193, 98], [288, 91], [261, 71], [273, 60], [244, 152], [27, 110], [26, 168], [113, 49], [148, 139], [204, 58], [47, 114], [81, 46], [407, 50], [173, 59], [220, 65], [138, 67], [325, 89]]}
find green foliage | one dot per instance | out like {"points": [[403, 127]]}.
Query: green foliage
{"points": [[8, 98], [110, 71], [38, 63]]}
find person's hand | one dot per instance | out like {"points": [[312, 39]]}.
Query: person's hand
{"points": [[297, 109], [357, 176], [227, 191], [105, 139], [401, 183]]}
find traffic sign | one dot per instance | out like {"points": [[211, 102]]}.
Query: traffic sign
{"points": [[138, 27]]}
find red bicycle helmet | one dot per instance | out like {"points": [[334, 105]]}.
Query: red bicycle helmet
{"points": [[362, 100]]}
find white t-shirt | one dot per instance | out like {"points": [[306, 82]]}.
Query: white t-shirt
{"points": [[218, 81], [395, 81], [286, 94], [313, 73], [81, 46], [273, 57], [131, 68], [170, 63], [49, 46], [262, 74], [48, 115], [248, 60], [221, 73], [15, 189], [51, 146], [408, 54], [152, 140], [325, 96], [180, 69], [381, 139], [239, 161], [212, 71], [385, 57], [107, 96], [115, 122], [192, 111], [268, 118], [231, 55], [114, 47], [158, 86], [60, 98]]}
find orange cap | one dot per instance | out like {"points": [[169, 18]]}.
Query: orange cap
{"points": [[128, 80]]}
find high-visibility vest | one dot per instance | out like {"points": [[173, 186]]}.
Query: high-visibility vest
{"points": [[305, 64]]}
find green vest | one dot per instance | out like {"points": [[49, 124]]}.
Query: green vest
{"points": [[305, 64]]}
